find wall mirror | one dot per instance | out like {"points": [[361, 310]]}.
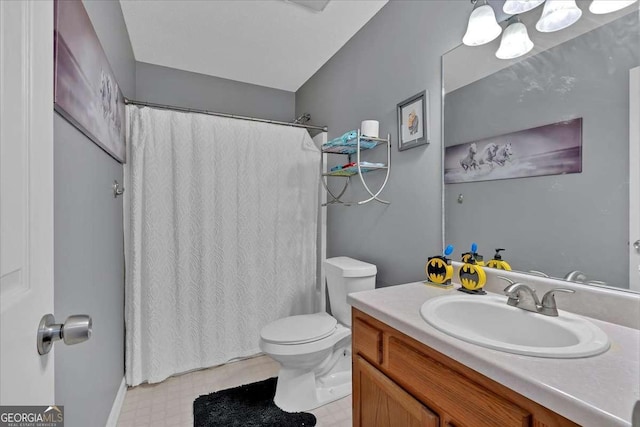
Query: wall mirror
{"points": [[537, 149]]}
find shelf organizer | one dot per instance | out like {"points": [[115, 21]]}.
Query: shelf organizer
{"points": [[358, 169]]}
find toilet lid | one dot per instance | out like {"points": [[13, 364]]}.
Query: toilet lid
{"points": [[299, 329]]}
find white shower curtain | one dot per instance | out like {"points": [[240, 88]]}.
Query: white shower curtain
{"points": [[220, 224]]}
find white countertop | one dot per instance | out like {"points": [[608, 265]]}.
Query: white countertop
{"points": [[593, 391]]}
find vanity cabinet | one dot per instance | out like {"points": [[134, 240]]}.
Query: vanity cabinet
{"points": [[398, 381]]}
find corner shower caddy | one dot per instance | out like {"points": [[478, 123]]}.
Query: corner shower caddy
{"points": [[358, 169]]}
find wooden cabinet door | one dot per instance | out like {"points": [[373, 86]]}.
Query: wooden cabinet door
{"points": [[448, 391], [379, 402]]}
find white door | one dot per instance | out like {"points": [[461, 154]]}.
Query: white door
{"points": [[634, 179], [26, 199]]}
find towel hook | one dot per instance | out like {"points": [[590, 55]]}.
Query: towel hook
{"points": [[118, 190]]}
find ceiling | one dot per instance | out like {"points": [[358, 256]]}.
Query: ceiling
{"points": [[273, 43]]}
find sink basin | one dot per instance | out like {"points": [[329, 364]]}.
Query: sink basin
{"points": [[488, 321]]}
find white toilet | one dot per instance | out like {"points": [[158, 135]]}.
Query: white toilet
{"points": [[314, 350]]}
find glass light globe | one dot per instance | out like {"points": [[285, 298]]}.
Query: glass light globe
{"points": [[558, 15], [515, 42], [482, 27], [515, 7], [600, 7]]}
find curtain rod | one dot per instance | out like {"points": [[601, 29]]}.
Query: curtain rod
{"points": [[229, 116]]}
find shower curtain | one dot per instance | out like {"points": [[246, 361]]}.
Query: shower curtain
{"points": [[220, 237]]}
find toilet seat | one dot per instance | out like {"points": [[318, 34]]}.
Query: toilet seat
{"points": [[302, 329], [326, 342]]}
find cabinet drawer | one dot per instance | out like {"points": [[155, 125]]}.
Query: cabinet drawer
{"points": [[445, 390], [367, 341]]}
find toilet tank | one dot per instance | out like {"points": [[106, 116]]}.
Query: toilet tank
{"points": [[344, 276]]}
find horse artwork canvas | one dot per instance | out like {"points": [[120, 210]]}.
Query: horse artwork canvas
{"points": [[553, 149], [86, 91]]}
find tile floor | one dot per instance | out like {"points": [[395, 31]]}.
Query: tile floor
{"points": [[170, 403]]}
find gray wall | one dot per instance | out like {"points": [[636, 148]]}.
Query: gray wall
{"points": [[89, 264], [396, 55], [555, 223], [163, 85]]}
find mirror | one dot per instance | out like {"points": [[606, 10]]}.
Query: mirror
{"points": [[536, 149]]}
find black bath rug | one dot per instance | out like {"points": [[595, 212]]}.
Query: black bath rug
{"points": [[250, 405]]}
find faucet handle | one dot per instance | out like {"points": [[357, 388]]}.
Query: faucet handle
{"points": [[506, 279], [549, 306], [551, 293], [521, 295], [511, 289], [538, 273]]}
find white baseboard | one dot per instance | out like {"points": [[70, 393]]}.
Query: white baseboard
{"points": [[112, 421]]}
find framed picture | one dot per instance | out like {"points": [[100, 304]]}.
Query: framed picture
{"points": [[85, 89], [413, 125], [554, 149]]}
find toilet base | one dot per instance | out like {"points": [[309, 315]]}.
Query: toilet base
{"points": [[303, 390]]}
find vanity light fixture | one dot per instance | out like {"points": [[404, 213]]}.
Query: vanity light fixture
{"points": [[483, 26], [515, 7], [515, 41], [558, 15], [600, 7]]}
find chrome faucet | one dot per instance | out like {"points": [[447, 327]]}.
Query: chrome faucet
{"points": [[525, 297], [521, 296]]}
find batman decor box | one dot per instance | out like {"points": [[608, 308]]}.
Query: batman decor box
{"points": [[554, 149], [86, 92]]}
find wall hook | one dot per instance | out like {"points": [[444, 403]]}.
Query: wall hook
{"points": [[118, 190]]}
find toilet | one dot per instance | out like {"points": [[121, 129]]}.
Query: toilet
{"points": [[314, 350]]}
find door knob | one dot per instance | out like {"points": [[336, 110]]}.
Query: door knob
{"points": [[636, 245], [74, 330]]}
